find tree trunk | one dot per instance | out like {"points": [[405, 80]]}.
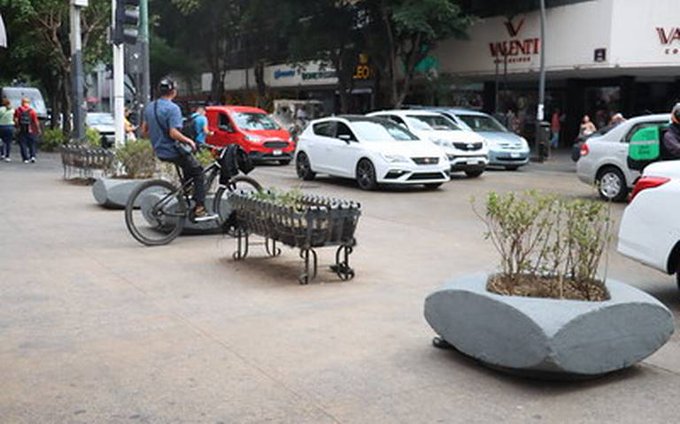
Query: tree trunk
{"points": [[261, 85]]}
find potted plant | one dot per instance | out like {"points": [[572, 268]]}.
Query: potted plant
{"points": [[546, 312], [135, 163], [85, 157]]}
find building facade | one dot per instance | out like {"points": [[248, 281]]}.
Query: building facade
{"points": [[602, 57]]}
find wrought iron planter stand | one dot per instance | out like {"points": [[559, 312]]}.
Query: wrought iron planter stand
{"points": [[313, 223]]}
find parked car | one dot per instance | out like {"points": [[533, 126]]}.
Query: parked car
{"points": [[373, 151], [252, 129], [604, 158], [506, 149], [102, 122], [466, 150], [650, 230]]}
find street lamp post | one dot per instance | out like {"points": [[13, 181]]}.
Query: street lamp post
{"points": [[77, 73], [543, 145]]}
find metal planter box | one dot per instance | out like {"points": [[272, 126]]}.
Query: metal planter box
{"points": [[314, 222]]}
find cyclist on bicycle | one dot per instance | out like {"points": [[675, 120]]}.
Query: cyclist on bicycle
{"points": [[162, 124]]}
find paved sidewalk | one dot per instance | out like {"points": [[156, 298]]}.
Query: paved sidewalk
{"points": [[95, 328]]}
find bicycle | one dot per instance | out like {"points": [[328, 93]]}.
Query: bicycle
{"points": [[157, 211]]}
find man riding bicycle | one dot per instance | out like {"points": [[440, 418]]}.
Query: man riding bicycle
{"points": [[162, 124]]}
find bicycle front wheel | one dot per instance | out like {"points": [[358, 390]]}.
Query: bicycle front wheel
{"points": [[222, 206], [155, 213]]}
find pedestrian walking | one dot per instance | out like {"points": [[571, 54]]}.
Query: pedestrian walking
{"points": [[587, 127], [555, 128], [6, 129], [129, 128], [28, 127], [162, 125], [200, 126]]}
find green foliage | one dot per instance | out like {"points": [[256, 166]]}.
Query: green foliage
{"points": [[545, 235], [205, 157], [52, 139], [137, 159], [93, 138], [291, 198]]}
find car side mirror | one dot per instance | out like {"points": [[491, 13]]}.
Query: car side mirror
{"points": [[345, 137]]}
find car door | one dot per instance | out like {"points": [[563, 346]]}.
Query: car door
{"points": [[343, 151], [317, 145], [224, 132], [643, 144]]}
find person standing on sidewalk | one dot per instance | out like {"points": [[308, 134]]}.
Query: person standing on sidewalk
{"points": [[162, 125], [26, 122], [6, 129], [201, 126]]}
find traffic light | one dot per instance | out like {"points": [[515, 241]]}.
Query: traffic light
{"points": [[126, 27]]}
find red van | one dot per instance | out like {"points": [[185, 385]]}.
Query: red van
{"points": [[252, 129]]}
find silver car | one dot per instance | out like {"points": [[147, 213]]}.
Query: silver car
{"points": [[104, 123], [604, 158], [506, 149]]}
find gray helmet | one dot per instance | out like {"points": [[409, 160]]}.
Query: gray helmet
{"points": [[675, 113]]}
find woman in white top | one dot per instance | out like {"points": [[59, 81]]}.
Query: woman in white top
{"points": [[6, 129]]}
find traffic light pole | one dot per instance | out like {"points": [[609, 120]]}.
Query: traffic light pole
{"points": [[118, 87], [77, 74], [144, 40]]}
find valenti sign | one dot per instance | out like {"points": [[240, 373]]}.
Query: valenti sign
{"points": [[670, 39], [518, 48]]}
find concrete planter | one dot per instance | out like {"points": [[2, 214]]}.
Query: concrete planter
{"points": [[113, 193], [549, 337]]}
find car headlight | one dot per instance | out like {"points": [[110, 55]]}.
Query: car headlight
{"points": [[395, 158], [525, 143], [250, 137]]}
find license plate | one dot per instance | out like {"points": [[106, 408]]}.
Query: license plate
{"points": [[514, 155], [277, 152]]}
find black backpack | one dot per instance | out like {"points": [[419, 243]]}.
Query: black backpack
{"points": [[189, 127], [25, 121]]}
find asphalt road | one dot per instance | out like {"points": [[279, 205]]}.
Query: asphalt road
{"points": [[96, 328]]}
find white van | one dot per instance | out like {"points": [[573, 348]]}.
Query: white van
{"points": [[15, 94]]}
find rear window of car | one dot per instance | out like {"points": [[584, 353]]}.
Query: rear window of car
{"points": [[254, 121], [324, 129]]}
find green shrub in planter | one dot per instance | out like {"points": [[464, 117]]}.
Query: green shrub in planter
{"points": [[52, 139], [137, 159], [93, 138], [205, 157]]}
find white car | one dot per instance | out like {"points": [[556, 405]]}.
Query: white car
{"points": [[102, 122], [650, 229], [604, 158], [467, 151], [371, 150]]}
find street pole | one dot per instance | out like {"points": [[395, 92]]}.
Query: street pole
{"points": [[144, 40], [77, 74], [540, 112], [118, 86]]}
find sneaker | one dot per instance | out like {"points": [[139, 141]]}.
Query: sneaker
{"points": [[202, 215], [32, 160], [7, 159], [27, 161]]}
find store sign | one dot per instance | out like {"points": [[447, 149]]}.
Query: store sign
{"points": [[318, 75], [362, 71], [670, 39], [516, 49], [284, 73]]}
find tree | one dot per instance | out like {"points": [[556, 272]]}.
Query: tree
{"points": [[407, 31], [40, 45]]}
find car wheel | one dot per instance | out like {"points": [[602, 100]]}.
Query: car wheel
{"points": [[366, 175], [303, 167], [284, 162], [512, 168], [474, 174], [611, 185], [433, 186]]}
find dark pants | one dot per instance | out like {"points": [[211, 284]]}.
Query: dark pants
{"points": [[191, 169], [6, 134], [27, 143]]}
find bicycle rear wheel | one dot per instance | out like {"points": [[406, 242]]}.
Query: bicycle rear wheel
{"points": [[155, 213], [221, 205]]}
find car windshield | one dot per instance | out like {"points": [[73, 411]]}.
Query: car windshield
{"points": [[481, 123], [372, 131], [435, 122], [99, 119], [254, 121]]}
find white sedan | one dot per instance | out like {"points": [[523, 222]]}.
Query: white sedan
{"points": [[371, 150], [650, 228], [466, 150]]}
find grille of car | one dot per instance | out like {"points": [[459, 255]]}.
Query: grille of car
{"points": [[467, 146], [426, 176], [275, 144], [426, 161]]}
